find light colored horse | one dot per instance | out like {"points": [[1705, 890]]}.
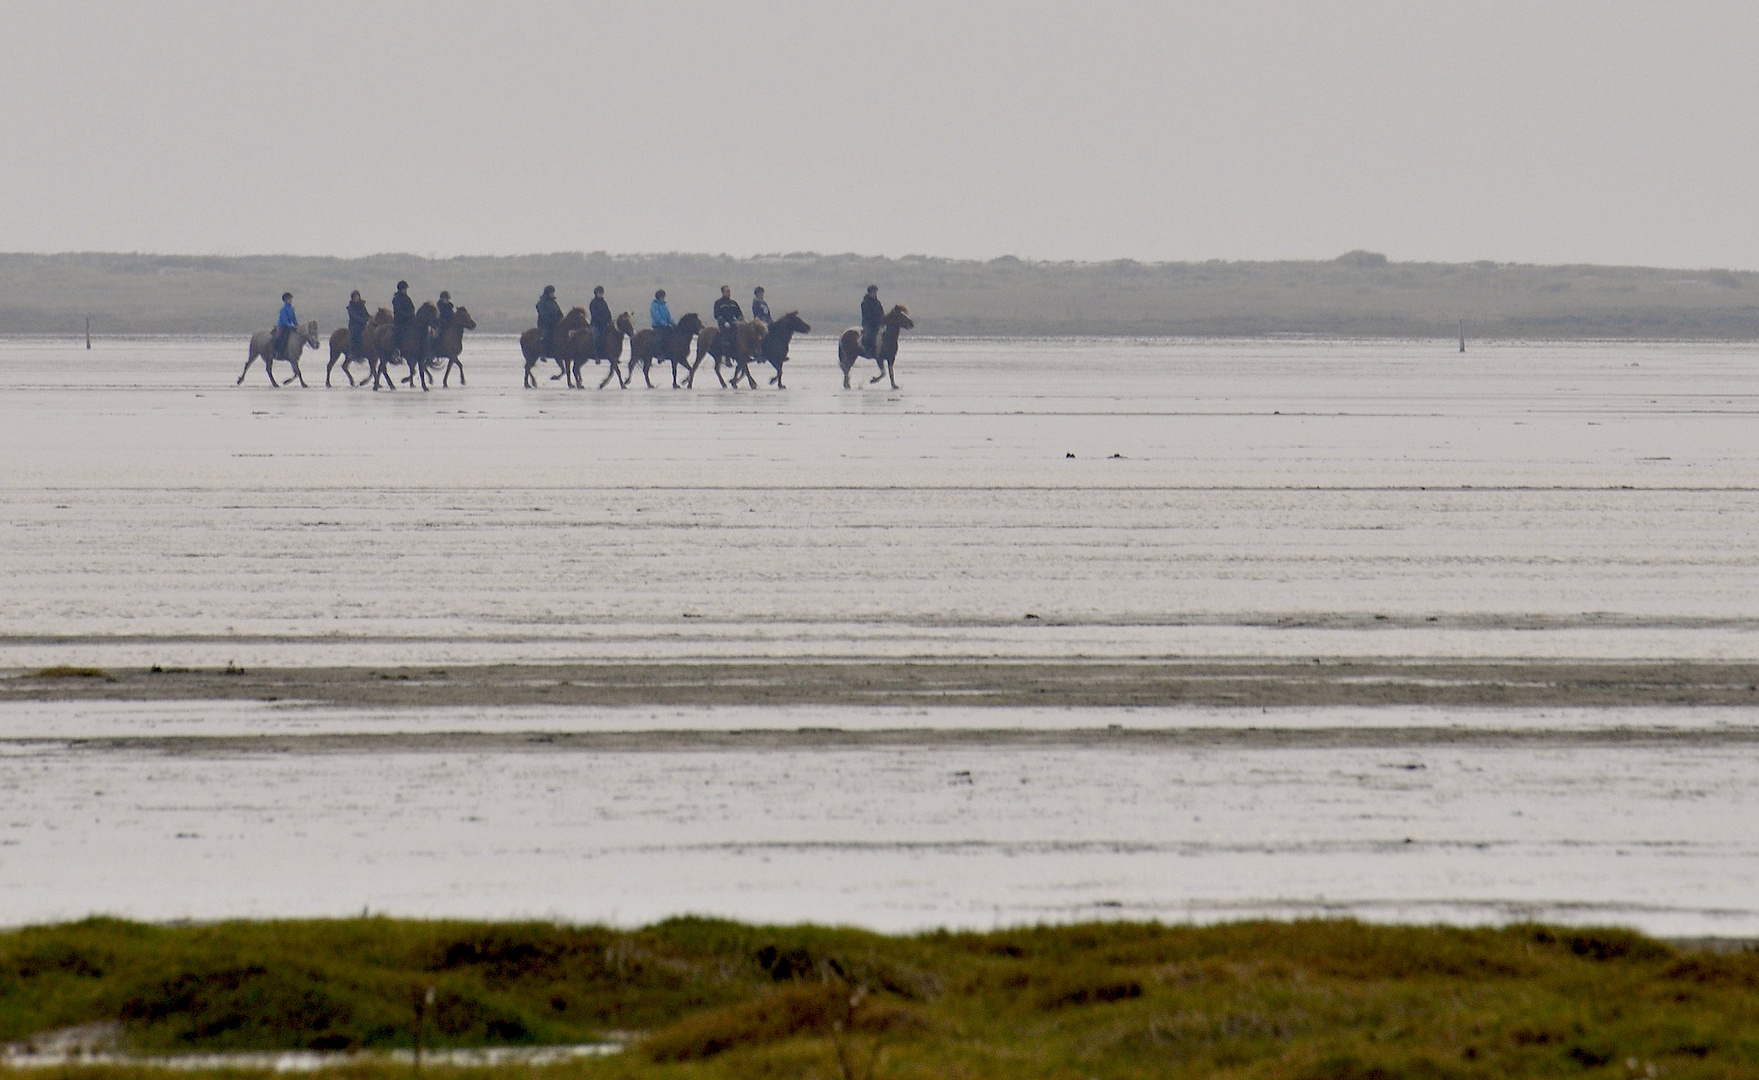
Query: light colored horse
{"points": [[262, 344]]}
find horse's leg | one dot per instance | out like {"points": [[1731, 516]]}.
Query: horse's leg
{"points": [[613, 365], [890, 374], [269, 370], [247, 362], [647, 373], [530, 381], [460, 364], [298, 374]]}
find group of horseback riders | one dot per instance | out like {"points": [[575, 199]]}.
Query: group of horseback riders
{"points": [[408, 333], [727, 315], [402, 314]]}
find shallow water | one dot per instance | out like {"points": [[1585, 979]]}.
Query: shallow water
{"points": [[1271, 498], [1654, 832]]}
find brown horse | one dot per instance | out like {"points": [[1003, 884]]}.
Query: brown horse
{"points": [[451, 344], [676, 349], [380, 347], [583, 347], [531, 343], [747, 337], [885, 352], [341, 348]]}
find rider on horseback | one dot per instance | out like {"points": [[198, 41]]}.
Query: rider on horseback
{"points": [[599, 314], [402, 314], [760, 308], [872, 314], [728, 316], [285, 324], [358, 316], [549, 315], [661, 317]]}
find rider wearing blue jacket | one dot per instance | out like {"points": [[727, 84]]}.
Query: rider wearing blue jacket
{"points": [[284, 325], [661, 317]]}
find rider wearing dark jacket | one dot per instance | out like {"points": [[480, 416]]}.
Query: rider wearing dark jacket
{"points": [[445, 308], [872, 314], [549, 315], [760, 308], [599, 315], [728, 315], [402, 314], [358, 317]]}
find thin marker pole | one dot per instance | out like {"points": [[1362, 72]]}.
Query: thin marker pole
{"points": [[1462, 335], [88, 331]]}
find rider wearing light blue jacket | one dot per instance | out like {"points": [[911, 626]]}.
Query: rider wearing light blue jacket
{"points": [[284, 325], [660, 313]]}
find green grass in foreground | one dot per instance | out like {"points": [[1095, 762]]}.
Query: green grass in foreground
{"points": [[1289, 1001]]}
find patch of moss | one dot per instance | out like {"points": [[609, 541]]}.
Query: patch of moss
{"points": [[1333, 1000]]}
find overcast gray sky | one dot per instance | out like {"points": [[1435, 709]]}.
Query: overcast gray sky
{"points": [[1527, 131]]}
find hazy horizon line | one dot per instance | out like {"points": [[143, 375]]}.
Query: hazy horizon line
{"points": [[1360, 257]]}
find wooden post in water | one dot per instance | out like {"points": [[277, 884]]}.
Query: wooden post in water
{"points": [[88, 331], [1462, 335], [422, 1002]]}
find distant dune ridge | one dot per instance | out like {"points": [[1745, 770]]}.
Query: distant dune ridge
{"points": [[1359, 294]]}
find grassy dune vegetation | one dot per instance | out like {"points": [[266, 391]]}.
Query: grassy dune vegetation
{"points": [[1357, 294], [1289, 1001]]}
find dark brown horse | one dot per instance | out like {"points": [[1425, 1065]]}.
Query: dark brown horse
{"points": [[747, 336], [379, 341], [413, 344], [885, 352], [451, 344], [531, 344], [584, 347], [676, 348], [774, 349]]}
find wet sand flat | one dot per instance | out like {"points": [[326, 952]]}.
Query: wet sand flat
{"points": [[1224, 499], [1065, 630]]}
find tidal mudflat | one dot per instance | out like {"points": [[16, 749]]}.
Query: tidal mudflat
{"points": [[1495, 614]]}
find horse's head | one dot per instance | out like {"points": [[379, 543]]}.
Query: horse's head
{"points": [[310, 333], [384, 316], [427, 314], [793, 322], [900, 318], [626, 323], [691, 323], [461, 318], [576, 319]]}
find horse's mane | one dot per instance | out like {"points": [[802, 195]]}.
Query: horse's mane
{"points": [[382, 317], [428, 309], [900, 309]]}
